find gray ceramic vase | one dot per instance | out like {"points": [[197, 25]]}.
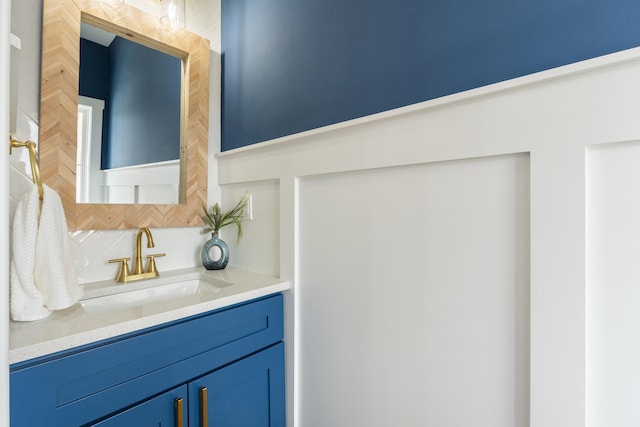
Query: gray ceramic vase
{"points": [[205, 253]]}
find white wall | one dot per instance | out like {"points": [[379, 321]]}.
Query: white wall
{"points": [[25, 91], [511, 163], [259, 248]]}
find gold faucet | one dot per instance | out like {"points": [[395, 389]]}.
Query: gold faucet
{"points": [[125, 275], [138, 264]]}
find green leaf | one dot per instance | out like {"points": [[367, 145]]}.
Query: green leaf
{"points": [[215, 219]]}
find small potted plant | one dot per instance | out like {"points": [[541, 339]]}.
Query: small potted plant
{"points": [[215, 219]]}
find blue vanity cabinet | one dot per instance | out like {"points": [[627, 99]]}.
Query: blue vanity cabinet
{"points": [[167, 409], [137, 379], [248, 393]]}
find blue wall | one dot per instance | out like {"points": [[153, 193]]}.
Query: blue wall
{"points": [[95, 79], [295, 65], [141, 90], [145, 106]]}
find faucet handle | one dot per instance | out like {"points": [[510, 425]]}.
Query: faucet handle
{"points": [[124, 273], [151, 267]]}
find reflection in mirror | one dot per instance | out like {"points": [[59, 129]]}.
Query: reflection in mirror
{"points": [[128, 121]]}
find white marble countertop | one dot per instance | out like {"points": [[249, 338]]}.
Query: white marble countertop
{"points": [[77, 326]]}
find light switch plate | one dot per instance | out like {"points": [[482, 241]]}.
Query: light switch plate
{"points": [[248, 209]]}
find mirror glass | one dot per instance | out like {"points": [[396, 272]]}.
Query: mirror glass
{"points": [[128, 121]]}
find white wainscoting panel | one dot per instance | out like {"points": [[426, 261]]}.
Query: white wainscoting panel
{"points": [[414, 295], [613, 286], [147, 183]]}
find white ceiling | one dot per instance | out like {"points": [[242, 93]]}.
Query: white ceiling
{"points": [[96, 35]]}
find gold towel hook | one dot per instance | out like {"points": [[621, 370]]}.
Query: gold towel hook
{"points": [[33, 158]]}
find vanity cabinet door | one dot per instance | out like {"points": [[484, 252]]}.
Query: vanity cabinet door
{"points": [[247, 393], [166, 410]]}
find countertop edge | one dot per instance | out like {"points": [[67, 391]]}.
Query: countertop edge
{"points": [[51, 346]]}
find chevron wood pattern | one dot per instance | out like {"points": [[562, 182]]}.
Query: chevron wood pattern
{"points": [[59, 112]]}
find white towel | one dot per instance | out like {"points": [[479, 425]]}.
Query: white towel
{"points": [[42, 277], [26, 301]]}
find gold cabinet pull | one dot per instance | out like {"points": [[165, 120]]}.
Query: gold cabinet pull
{"points": [[203, 407], [178, 406]]}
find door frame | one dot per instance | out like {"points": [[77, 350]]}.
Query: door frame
{"points": [[5, 25]]}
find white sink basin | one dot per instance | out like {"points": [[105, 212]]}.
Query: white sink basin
{"points": [[148, 295]]}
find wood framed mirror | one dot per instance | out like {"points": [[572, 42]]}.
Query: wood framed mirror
{"points": [[59, 112]]}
